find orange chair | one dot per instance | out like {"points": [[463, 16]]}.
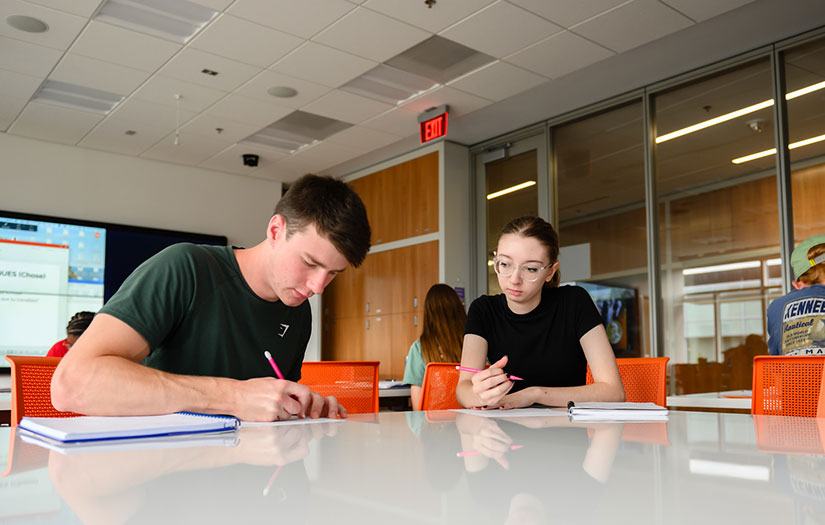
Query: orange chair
{"points": [[31, 379], [353, 383], [644, 379], [788, 385], [438, 389]]}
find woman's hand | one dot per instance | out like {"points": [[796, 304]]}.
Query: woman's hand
{"points": [[520, 399], [492, 384]]}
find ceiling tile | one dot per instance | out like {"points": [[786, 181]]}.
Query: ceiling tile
{"points": [[191, 149], [26, 58], [283, 170], [207, 125], [189, 64], [139, 113], [345, 106], [322, 64], [559, 55], [84, 71], [418, 14], [363, 139], [17, 90], [258, 86], [700, 10], [632, 24], [63, 27], [230, 160], [497, 81], [162, 90], [566, 13], [111, 136], [500, 30], [460, 103], [256, 113], [244, 41], [76, 7], [304, 18], [54, 123], [396, 121], [360, 30], [124, 47]]}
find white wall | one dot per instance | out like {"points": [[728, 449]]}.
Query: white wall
{"points": [[65, 181]]}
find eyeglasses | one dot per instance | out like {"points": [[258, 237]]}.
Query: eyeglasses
{"points": [[528, 272]]}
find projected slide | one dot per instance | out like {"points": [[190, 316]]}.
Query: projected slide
{"points": [[48, 272]]}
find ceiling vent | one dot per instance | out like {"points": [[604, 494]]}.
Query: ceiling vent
{"points": [[177, 20], [439, 60], [77, 97], [297, 131]]}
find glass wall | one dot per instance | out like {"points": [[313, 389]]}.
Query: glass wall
{"points": [[601, 218], [718, 224], [805, 84]]}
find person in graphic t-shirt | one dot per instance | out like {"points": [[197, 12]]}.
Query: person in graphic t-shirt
{"points": [[77, 325], [536, 330], [188, 329], [796, 321]]}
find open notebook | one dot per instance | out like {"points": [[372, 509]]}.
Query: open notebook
{"points": [[105, 428]]}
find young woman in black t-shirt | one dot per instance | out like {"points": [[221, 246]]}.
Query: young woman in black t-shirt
{"points": [[544, 334]]}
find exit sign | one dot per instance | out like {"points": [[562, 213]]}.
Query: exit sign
{"points": [[432, 124]]}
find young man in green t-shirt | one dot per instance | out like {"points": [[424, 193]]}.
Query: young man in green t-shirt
{"points": [[188, 329]]}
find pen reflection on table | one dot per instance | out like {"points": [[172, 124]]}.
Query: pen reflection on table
{"points": [[134, 485]]}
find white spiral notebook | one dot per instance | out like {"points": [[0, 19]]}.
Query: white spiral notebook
{"points": [[106, 428]]}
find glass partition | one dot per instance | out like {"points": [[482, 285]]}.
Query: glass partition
{"points": [[601, 214], [719, 225]]}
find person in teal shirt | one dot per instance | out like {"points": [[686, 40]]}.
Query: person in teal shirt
{"points": [[441, 336]]}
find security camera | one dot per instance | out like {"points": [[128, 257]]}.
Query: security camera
{"points": [[250, 159]]}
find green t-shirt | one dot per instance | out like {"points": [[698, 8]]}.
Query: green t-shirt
{"points": [[415, 366], [199, 316]]}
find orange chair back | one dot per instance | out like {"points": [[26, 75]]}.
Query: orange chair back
{"points": [[353, 383], [787, 385], [438, 389], [31, 395], [644, 379]]}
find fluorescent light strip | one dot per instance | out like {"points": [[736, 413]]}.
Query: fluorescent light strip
{"points": [[768, 152], [737, 113], [721, 268], [774, 262], [511, 189]]}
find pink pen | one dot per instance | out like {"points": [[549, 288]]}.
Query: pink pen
{"points": [[475, 370], [274, 366]]}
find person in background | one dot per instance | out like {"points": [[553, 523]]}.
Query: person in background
{"points": [[542, 333], [188, 329], [796, 321], [77, 325], [441, 334]]}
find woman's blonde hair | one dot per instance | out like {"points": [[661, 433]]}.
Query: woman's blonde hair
{"points": [[816, 275], [443, 325]]}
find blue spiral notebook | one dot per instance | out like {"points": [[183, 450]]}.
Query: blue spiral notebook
{"points": [[104, 428]]}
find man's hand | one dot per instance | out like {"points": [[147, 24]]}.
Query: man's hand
{"points": [[325, 407], [270, 399]]}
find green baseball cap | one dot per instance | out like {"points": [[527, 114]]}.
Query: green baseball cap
{"points": [[799, 258]]}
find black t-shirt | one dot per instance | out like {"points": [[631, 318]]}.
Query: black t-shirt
{"points": [[542, 345]]}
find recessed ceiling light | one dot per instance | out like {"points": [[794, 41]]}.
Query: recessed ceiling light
{"points": [[282, 91], [178, 21], [27, 24], [77, 97]]}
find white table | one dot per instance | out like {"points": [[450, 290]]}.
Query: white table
{"points": [[720, 400], [391, 467]]}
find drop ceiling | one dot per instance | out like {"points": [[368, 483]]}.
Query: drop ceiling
{"points": [[316, 47]]}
